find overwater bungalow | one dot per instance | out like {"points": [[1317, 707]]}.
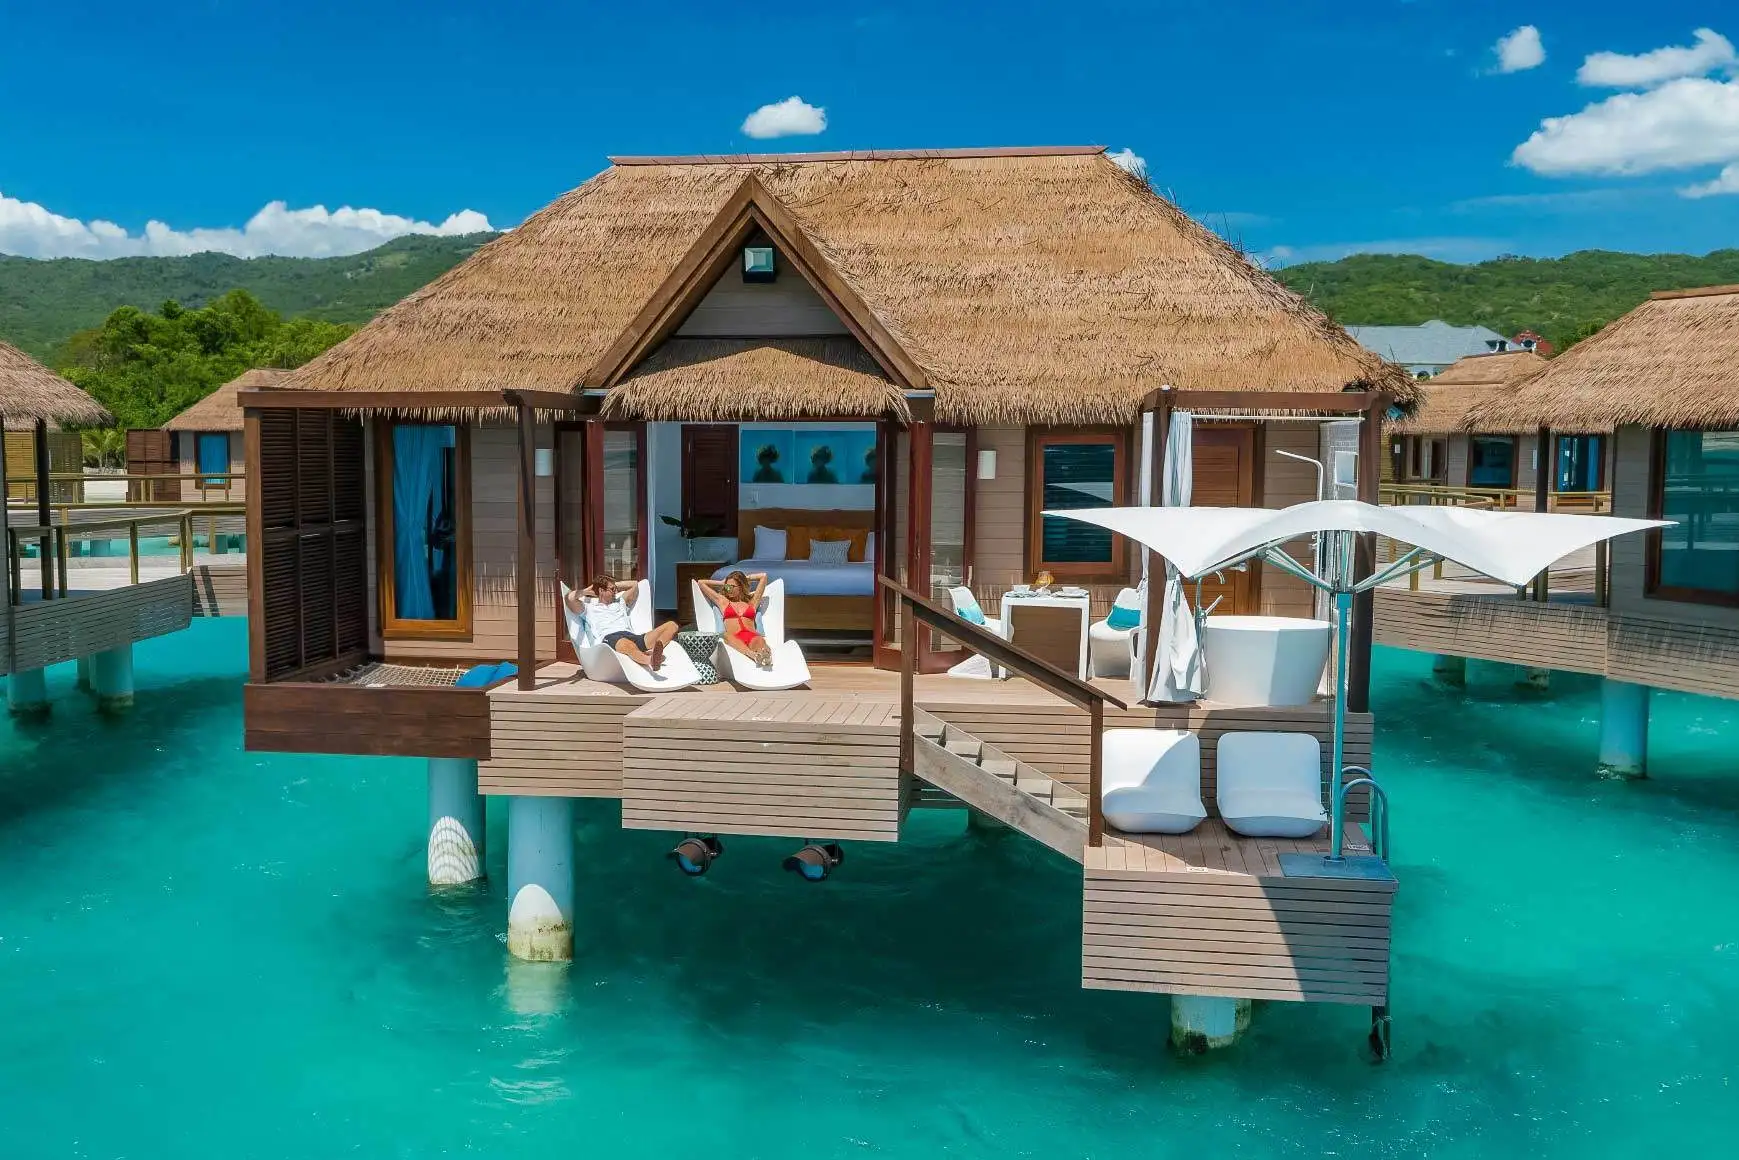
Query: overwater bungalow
{"points": [[205, 441], [1431, 448], [868, 375], [1659, 611]]}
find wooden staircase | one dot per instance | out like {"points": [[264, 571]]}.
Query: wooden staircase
{"points": [[989, 780]]}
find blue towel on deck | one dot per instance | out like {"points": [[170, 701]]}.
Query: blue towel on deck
{"points": [[482, 676]]}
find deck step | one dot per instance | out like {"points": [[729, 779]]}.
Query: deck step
{"points": [[989, 780]]}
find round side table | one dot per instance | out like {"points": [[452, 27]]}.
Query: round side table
{"points": [[700, 647]]}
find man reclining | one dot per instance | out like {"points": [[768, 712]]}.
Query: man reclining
{"points": [[605, 605]]}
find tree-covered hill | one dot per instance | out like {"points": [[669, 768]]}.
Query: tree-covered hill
{"points": [[43, 302], [1562, 298]]}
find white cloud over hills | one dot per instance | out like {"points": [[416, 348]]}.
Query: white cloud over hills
{"points": [[34, 231], [1680, 118]]}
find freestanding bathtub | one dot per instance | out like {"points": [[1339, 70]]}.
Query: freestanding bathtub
{"points": [[1264, 660]]}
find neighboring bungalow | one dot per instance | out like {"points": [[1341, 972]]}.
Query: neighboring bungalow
{"points": [[1431, 347], [908, 355], [34, 403], [1434, 446], [208, 440]]}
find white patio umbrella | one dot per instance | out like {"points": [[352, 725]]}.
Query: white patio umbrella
{"points": [[1512, 547]]}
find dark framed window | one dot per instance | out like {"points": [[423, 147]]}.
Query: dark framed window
{"points": [[1075, 469], [1491, 461], [1695, 483], [422, 475], [1579, 463]]}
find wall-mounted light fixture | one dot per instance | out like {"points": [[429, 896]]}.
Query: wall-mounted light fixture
{"points": [[987, 463], [543, 462], [760, 264]]}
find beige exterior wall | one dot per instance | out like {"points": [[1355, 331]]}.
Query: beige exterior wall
{"points": [[494, 542], [787, 308], [1284, 483], [186, 445]]}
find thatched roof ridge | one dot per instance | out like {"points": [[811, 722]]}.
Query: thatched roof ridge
{"points": [[1465, 385], [1671, 362], [729, 380], [220, 410], [1043, 286], [30, 391]]}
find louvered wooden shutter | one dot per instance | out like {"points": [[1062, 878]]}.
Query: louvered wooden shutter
{"points": [[709, 474], [310, 484]]}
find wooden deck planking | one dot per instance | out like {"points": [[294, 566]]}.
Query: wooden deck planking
{"points": [[47, 632]]}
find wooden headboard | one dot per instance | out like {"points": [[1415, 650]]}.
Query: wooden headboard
{"points": [[749, 518]]}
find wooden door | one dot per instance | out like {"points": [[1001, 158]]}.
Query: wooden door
{"points": [[709, 477], [1225, 476]]}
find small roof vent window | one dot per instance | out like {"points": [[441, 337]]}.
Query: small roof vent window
{"points": [[760, 264]]}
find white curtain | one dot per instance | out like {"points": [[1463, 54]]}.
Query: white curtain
{"points": [[1177, 670]]}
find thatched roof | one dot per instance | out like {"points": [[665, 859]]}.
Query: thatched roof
{"points": [[1671, 362], [30, 391], [220, 410], [1465, 385], [1044, 286], [741, 379]]}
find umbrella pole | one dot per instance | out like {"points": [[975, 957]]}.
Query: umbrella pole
{"points": [[1343, 611]]}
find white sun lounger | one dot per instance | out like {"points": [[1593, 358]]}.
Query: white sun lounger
{"points": [[1269, 785], [1152, 781], [600, 662], [789, 669]]}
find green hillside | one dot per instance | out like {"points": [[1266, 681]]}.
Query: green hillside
{"points": [[42, 303], [1561, 298]]}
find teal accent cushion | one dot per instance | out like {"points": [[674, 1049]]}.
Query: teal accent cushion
{"points": [[1122, 618], [972, 614]]}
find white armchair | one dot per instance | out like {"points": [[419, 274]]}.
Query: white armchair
{"points": [[975, 667], [600, 662], [1269, 785], [1111, 642], [789, 668], [1152, 781]]}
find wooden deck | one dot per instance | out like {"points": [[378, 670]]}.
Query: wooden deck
{"points": [[1213, 913], [47, 632]]}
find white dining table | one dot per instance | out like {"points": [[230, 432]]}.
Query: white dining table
{"points": [[1084, 604]]}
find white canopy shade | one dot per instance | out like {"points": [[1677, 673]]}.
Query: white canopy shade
{"points": [[1509, 546]]}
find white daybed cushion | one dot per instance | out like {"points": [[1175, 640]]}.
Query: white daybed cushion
{"points": [[1269, 785], [1152, 781]]}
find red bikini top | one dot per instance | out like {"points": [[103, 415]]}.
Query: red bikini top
{"points": [[739, 612]]}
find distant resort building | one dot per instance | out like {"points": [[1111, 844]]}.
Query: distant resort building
{"points": [[1433, 347], [205, 440]]}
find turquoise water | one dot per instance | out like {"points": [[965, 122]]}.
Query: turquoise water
{"points": [[206, 953]]}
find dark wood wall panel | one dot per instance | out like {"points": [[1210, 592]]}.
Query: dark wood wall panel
{"points": [[297, 717]]}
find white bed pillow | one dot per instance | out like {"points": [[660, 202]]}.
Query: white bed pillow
{"points": [[829, 551], [869, 548], [770, 543]]}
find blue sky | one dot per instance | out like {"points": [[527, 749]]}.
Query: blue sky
{"points": [[1303, 128]]}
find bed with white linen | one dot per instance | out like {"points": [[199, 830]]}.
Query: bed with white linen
{"points": [[811, 577], [820, 596]]}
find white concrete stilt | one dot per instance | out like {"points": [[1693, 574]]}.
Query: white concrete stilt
{"points": [[1450, 670], [540, 878], [84, 675], [1203, 1023], [456, 822], [1528, 677], [112, 678], [1623, 729], [27, 693]]}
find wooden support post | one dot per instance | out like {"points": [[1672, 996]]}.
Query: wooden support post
{"points": [[1543, 500], [1096, 773], [44, 515], [60, 553], [1155, 562], [525, 558], [1365, 560], [133, 552], [921, 445], [1600, 568], [908, 671]]}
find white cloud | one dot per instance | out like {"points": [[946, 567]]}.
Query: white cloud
{"points": [[1727, 182], [1520, 50], [1615, 70], [1131, 161], [33, 231], [1684, 123], [791, 117]]}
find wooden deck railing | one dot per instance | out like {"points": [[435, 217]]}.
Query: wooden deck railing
{"points": [[54, 538], [915, 610], [214, 486]]}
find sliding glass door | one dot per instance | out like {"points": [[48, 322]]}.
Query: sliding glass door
{"points": [[601, 523], [924, 517]]}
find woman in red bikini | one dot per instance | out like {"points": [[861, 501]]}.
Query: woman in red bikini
{"points": [[737, 597]]}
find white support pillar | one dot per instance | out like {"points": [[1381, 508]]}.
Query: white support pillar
{"points": [[456, 822], [1623, 729], [1530, 677], [1451, 670], [1204, 1023], [540, 878], [27, 693], [112, 678]]}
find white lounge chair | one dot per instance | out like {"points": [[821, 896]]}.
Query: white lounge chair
{"points": [[1152, 781], [600, 662], [1110, 651], [789, 669], [1269, 785], [976, 666]]}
